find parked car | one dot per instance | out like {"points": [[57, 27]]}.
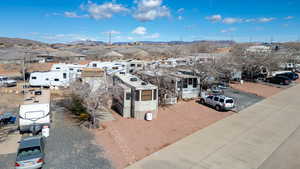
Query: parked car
{"points": [[216, 90], [219, 102], [6, 82], [30, 154], [290, 75], [282, 80]]}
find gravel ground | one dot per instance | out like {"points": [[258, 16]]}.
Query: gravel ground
{"points": [[130, 140], [242, 99], [68, 147]]}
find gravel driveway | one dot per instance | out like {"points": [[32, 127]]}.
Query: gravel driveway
{"points": [[68, 147]]}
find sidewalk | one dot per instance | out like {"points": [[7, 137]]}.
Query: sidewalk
{"points": [[241, 141]]}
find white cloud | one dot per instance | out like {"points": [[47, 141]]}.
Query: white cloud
{"points": [[228, 30], [152, 36], [113, 32], [103, 11], [214, 18], [148, 10], [74, 15], [289, 17], [140, 31], [232, 20], [180, 10], [264, 19], [180, 18]]}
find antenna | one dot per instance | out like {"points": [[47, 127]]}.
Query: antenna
{"points": [[109, 38]]}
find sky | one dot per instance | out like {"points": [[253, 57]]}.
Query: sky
{"points": [[151, 20]]}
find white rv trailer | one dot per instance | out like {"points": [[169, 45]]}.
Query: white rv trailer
{"points": [[110, 67], [52, 78], [74, 69], [35, 110], [135, 98]]}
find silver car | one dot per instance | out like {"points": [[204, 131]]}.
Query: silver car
{"points": [[30, 153]]}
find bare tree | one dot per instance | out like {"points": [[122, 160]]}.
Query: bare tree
{"points": [[94, 99]]}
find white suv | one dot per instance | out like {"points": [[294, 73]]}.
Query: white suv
{"points": [[6, 82], [219, 102]]}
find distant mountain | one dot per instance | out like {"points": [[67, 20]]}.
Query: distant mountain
{"points": [[87, 43], [17, 41]]}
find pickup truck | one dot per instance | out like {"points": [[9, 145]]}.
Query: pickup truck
{"points": [[219, 102], [6, 82]]}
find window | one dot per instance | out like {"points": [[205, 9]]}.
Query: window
{"points": [[190, 81], [33, 78], [47, 79], [222, 100], [146, 95], [195, 83], [229, 101], [139, 65], [132, 65], [94, 64], [128, 96], [137, 95], [56, 80], [154, 94], [71, 69], [29, 151], [64, 75], [57, 68], [115, 68], [210, 97], [185, 84], [216, 99]]}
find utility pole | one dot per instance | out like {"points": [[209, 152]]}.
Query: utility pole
{"points": [[109, 38]]}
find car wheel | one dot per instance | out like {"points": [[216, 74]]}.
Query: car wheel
{"points": [[218, 108], [202, 101]]}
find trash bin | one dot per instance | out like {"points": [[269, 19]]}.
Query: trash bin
{"points": [[149, 116]]}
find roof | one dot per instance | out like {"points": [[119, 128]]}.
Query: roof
{"points": [[30, 141], [31, 98], [182, 75], [136, 83], [92, 72]]}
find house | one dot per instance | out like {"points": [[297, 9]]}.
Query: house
{"points": [[135, 65], [134, 98]]}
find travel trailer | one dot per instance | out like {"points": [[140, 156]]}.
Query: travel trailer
{"points": [[34, 113], [52, 78], [110, 67], [134, 98], [74, 69]]}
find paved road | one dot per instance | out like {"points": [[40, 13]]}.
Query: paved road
{"points": [[68, 147], [257, 137], [242, 99]]}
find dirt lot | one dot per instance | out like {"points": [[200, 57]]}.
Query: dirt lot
{"points": [[257, 89], [128, 140]]}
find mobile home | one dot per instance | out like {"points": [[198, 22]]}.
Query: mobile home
{"points": [[73, 69], [35, 111], [135, 98], [52, 78]]}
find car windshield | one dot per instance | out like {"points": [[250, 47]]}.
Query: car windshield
{"points": [[29, 151], [229, 101]]}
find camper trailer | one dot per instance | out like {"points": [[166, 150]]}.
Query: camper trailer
{"points": [[135, 65], [35, 111], [110, 67], [134, 98], [52, 78], [73, 69]]}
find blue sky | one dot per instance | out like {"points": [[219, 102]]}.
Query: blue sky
{"points": [[152, 20]]}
